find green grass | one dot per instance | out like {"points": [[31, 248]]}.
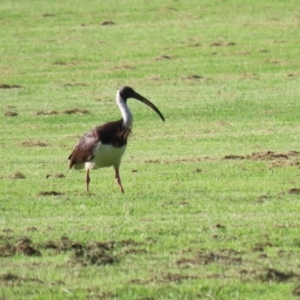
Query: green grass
{"points": [[191, 224]]}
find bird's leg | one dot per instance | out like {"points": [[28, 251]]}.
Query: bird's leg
{"points": [[87, 179], [118, 179]]}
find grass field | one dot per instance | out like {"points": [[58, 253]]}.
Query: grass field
{"points": [[211, 204]]}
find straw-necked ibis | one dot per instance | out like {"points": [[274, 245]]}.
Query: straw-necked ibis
{"points": [[105, 145]]}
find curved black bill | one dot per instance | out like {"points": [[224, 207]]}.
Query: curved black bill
{"points": [[147, 102]]}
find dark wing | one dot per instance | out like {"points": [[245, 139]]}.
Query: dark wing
{"points": [[83, 150], [112, 133]]}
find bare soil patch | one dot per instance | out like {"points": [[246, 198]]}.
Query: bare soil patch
{"points": [[204, 258], [31, 229], [76, 111], [249, 76], [294, 191], [164, 278], [195, 45], [69, 63], [60, 63], [93, 253], [219, 44], [12, 279], [75, 84], [8, 277], [168, 8], [7, 230], [134, 251], [46, 113], [8, 86], [192, 77], [17, 175], [220, 226], [92, 256], [7, 250], [67, 112], [289, 158], [56, 175], [127, 243], [264, 51], [110, 245], [50, 193], [260, 247], [34, 143], [163, 57], [296, 74], [216, 44], [107, 22], [266, 155], [277, 276], [154, 77], [61, 245], [47, 15], [178, 160], [243, 53], [10, 114], [124, 67], [296, 291], [22, 247]]}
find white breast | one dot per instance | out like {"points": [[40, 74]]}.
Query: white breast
{"points": [[106, 156]]}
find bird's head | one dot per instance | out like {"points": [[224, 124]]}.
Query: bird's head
{"points": [[127, 92]]}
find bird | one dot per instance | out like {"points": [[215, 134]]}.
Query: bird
{"points": [[104, 145]]}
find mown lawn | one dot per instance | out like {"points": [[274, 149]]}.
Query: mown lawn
{"points": [[211, 204]]}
